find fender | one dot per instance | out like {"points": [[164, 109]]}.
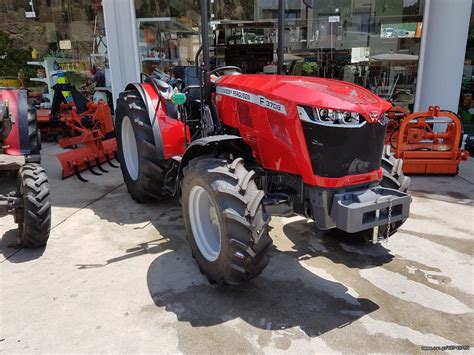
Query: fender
{"points": [[18, 140], [213, 144], [149, 98]]}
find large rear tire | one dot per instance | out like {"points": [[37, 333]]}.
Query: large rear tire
{"points": [[226, 225], [143, 171], [34, 217]]}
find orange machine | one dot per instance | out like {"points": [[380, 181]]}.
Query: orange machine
{"points": [[52, 128], [424, 150], [86, 129], [89, 143]]}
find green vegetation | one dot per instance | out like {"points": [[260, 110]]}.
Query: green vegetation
{"points": [[12, 59], [309, 68]]}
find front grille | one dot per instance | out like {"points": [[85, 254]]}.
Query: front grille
{"points": [[339, 151]]}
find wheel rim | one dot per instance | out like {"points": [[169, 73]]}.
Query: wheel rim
{"points": [[204, 223], [129, 148]]}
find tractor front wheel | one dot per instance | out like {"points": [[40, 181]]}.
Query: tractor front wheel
{"points": [[226, 225], [34, 215]]}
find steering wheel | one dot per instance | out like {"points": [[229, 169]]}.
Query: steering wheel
{"points": [[218, 71]]}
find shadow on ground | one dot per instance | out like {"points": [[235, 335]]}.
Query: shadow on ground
{"points": [[165, 217], [284, 296], [335, 245], [10, 245]]}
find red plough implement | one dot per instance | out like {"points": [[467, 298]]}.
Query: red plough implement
{"points": [[424, 150], [87, 129], [91, 149]]}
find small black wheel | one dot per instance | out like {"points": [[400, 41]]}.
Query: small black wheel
{"points": [[144, 172], [34, 216], [226, 224]]}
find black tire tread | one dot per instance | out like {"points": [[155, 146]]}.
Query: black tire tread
{"points": [[33, 132], [235, 201], [392, 178], [34, 218]]}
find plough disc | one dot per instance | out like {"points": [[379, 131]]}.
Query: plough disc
{"points": [[88, 157]]}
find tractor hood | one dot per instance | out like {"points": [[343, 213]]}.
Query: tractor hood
{"points": [[309, 91]]}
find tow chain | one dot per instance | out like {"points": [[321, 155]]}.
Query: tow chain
{"points": [[389, 219]]}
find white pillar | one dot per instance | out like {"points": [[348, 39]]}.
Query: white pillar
{"points": [[442, 53], [122, 43]]}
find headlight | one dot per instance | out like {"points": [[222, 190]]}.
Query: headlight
{"points": [[326, 116]]}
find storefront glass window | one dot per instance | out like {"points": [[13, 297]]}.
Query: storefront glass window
{"points": [[466, 102], [371, 43], [245, 34], [168, 34], [43, 40]]}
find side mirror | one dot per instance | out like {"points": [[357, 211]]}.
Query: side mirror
{"points": [[178, 98]]}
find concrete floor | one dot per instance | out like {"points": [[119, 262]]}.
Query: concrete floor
{"points": [[117, 276]]}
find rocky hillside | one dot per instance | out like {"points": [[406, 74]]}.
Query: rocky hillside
{"points": [[55, 20]]}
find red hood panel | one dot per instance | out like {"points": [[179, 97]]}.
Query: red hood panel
{"points": [[344, 92], [311, 91]]}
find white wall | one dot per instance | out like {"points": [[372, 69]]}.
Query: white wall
{"points": [[443, 48], [122, 43]]}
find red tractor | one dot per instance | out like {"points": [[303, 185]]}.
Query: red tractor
{"points": [[24, 188], [239, 148]]}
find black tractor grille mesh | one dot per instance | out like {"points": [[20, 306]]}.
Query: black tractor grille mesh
{"points": [[337, 151]]}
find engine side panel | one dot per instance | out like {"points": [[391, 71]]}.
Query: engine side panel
{"points": [[255, 127]]}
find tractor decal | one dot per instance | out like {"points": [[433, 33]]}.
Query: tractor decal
{"points": [[255, 99]]}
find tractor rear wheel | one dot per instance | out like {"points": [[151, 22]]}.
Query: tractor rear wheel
{"points": [[226, 224], [34, 216], [143, 171]]}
